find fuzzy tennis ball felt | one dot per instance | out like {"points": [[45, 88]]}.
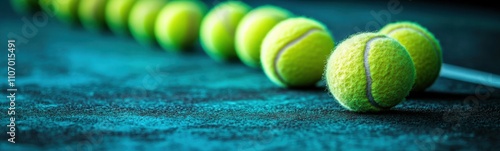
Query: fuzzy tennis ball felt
{"points": [[252, 30], [423, 47], [64, 10], [370, 72], [91, 14], [142, 20], [117, 15], [25, 7], [218, 29], [295, 51], [178, 23]]}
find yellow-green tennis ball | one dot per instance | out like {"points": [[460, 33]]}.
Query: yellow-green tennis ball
{"points": [[25, 7], [252, 30], [178, 24], [117, 15], [64, 10], [423, 47], [91, 14], [142, 20], [218, 29], [370, 72], [294, 52]]}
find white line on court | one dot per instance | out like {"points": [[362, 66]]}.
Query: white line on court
{"points": [[470, 75]]}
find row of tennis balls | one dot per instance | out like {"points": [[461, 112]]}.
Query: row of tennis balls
{"points": [[292, 50], [173, 25], [366, 72]]}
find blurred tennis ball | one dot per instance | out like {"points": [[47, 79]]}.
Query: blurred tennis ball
{"points": [[252, 30], [117, 15], [91, 14], [370, 72], [178, 24], [423, 47], [218, 29], [295, 51], [25, 7], [65, 11], [142, 20]]}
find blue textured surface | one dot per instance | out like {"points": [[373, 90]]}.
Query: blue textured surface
{"points": [[83, 91]]}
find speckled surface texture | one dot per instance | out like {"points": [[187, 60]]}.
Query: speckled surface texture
{"points": [[81, 91]]}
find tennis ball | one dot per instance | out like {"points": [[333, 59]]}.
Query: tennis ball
{"points": [[117, 12], [178, 23], [370, 72], [423, 47], [142, 20], [91, 14], [294, 52], [218, 29], [64, 10], [252, 30], [25, 7]]}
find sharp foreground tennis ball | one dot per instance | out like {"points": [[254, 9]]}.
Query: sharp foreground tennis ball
{"points": [[65, 10], [117, 12], [295, 51], [25, 7], [142, 20], [423, 47], [218, 29], [178, 23], [370, 72], [91, 14], [252, 30]]}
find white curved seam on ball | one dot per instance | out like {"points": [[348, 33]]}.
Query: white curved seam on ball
{"points": [[246, 26], [436, 49], [369, 80], [282, 50], [223, 15]]}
